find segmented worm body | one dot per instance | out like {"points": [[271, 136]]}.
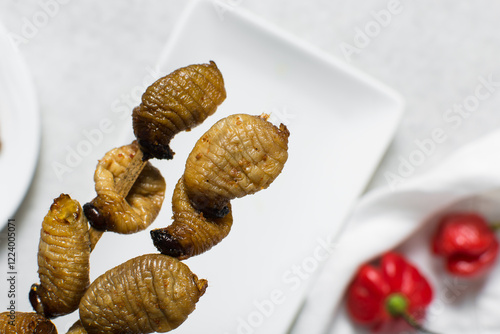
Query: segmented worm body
{"points": [[63, 259], [111, 210], [238, 156], [177, 102], [150, 293], [192, 232], [25, 323]]}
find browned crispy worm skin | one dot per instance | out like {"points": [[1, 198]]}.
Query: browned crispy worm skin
{"points": [[238, 156], [25, 323], [63, 259], [177, 102], [191, 233], [150, 293], [111, 210]]}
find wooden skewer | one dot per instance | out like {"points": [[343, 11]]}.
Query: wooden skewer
{"points": [[134, 169], [122, 186]]}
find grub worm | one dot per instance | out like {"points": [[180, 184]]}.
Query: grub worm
{"points": [[112, 211], [63, 259], [238, 156], [150, 293], [175, 103]]}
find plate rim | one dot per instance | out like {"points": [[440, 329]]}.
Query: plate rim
{"points": [[288, 37], [31, 108]]}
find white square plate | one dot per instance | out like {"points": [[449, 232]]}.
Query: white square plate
{"points": [[341, 122]]}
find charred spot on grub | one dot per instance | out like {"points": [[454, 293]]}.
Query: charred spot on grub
{"points": [[159, 151], [166, 243], [95, 218]]}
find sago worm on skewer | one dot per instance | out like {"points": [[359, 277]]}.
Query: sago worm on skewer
{"points": [[112, 211], [150, 293], [175, 103], [63, 259], [192, 232], [238, 156]]}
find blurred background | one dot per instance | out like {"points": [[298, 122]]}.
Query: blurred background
{"points": [[86, 57]]}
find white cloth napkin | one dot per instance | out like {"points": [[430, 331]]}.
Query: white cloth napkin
{"points": [[404, 219]]}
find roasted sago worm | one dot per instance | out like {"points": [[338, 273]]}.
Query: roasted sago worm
{"points": [[63, 259], [192, 233], [110, 210], [149, 293], [25, 323], [238, 156], [175, 103]]}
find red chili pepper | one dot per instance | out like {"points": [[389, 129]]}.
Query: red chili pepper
{"points": [[389, 297], [467, 243]]}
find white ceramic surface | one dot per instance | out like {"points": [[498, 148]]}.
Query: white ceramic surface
{"points": [[19, 129]]}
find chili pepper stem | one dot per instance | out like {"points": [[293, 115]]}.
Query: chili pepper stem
{"points": [[414, 324], [495, 226], [397, 306], [122, 186]]}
